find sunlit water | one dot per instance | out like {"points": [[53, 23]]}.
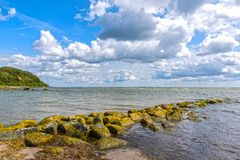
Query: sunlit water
{"points": [[217, 137]]}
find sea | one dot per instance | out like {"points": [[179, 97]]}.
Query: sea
{"points": [[216, 137]]}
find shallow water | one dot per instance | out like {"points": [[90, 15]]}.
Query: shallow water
{"points": [[217, 137]]}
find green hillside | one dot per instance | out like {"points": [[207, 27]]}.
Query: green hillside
{"points": [[10, 76]]}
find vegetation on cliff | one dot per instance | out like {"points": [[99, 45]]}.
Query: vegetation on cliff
{"points": [[14, 77]]}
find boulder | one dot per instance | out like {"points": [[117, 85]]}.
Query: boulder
{"points": [[55, 118], [99, 131], [193, 116], [136, 116], [96, 114], [146, 120], [111, 119], [106, 143], [52, 150], [157, 112], [22, 125], [36, 139], [73, 129], [201, 104], [67, 141], [1, 125], [126, 122], [175, 115], [98, 120], [186, 104], [132, 111], [50, 128], [154, 127], [89, 120], [116, 113], [115, 129], [167, 124]]}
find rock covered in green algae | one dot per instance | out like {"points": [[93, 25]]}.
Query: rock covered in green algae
{"points": [[67, 141], [175, 115], [75, 152], [201, 103], [99, 131], [186, 104], [111, 119], [55, 118], [157, 112], [52, 150], [136, 116], [22, 125], [73, 129], [10, 135], [36, 139], [106, 143], [154, 127], [50, 128], [146, 119], [116, 113], [98, 120], [96, 114], [115, 129], [193, 116], [126, 122]]}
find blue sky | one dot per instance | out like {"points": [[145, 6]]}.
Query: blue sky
{"points": [[123, 43]]}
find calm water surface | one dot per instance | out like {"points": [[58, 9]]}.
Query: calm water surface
{"points": [[217, 137]]}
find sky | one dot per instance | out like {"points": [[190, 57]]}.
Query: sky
{"points": [[166, 43]]}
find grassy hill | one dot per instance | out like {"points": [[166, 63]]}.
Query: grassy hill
{"points": [[10, 76]]}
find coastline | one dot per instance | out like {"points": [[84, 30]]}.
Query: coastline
{"points": [[98, 132], [22, 88]]}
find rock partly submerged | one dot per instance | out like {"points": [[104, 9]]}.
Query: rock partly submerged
{"points": [[54, 135]]}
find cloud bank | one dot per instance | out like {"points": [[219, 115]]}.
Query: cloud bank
{"points": [[144, 41]]}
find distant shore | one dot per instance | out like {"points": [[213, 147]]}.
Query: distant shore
{"points": [[21, 88]]}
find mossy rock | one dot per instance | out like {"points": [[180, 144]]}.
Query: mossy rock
{"points": [[107, 143], [116, 113], [158, 112], [96, 114], [36, 139], [126, 122], [213, 101], [89, 120], [175, 115], [55, 118], [168, 124], [154, 127], [75, 117], [50, 128], [73, 129], [53, 150], [99, 131], [67, 141], [193, 116], [146, 120], [115, 129], [201, 103], [132, 111], [111, 119], [22, 125], [186, 104], [98, 120], [81, 120], [136, 116]]}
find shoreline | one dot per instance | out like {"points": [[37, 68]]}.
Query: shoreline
{"points": [[9, 88], [96, 133]]}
